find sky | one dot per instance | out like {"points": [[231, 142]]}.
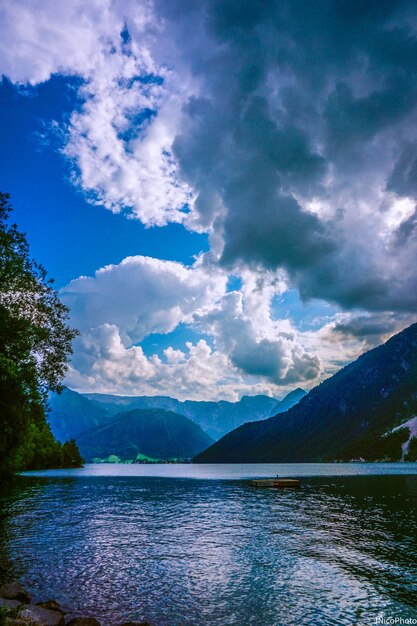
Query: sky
{"points": [[224, 191]]}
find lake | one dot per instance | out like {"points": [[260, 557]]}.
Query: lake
{"points": [[191, 545]]}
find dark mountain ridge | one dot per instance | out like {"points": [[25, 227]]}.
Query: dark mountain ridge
{"points": [[346, 416]]}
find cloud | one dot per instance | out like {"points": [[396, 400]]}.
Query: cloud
{"points": [[370, 330], [104, 364], [142, 295], [299, 122], [119, 140], [123, 304], [243, 328], [102, 358], [403, 176], [42, 37], [287, 134]]}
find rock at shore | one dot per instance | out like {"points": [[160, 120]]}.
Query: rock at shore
{"points": [[14, 591], [39, 615], [52, 605], [9, 604], [16, 610]]}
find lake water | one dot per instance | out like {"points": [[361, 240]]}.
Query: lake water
{"points": [[191, 545]]}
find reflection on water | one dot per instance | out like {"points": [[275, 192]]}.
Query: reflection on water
{"points": [[181, 551]]}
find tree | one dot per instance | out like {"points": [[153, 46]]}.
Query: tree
{"points": [[71, 455], [35, 341]]}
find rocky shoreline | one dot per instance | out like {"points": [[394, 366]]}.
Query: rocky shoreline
{"points": [[16, 609]]}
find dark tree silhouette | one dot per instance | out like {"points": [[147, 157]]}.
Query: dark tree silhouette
{"points": [[35, 344]]}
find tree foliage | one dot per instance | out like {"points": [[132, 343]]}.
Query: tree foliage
{"points": [[35, 344]]}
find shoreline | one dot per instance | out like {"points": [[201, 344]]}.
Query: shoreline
{"points": [[17, 609]]}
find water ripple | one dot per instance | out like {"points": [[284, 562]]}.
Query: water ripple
{"points": [[186, 552]]}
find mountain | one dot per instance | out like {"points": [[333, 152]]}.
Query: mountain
{"points": [[216, 418], [290, 400], [70, 413], [144, 433], [352, 414]]}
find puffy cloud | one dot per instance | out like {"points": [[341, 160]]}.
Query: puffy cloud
{"points": [[119, 142], [242, 327], [119, 158], [142, 295], [42, 37], [103, 363], [101, 357], [122, 304]]}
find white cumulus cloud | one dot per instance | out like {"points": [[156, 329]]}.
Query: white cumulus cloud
{"points": [[123, 304], [142, 295]]}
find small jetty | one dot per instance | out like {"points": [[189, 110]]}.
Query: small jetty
{"points": [[275, 483]]}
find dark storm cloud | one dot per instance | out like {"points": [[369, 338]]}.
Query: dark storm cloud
{"points": [[403, 177], [407, 230], [266, 358], [281, 235], [372, 329], [303, 138]]}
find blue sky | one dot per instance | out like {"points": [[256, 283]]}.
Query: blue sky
{"points": [[220, 218]]}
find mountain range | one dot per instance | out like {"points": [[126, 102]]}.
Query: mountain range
{"points": [[216, 418], [151, 427], [365, 410], [72, 413]]}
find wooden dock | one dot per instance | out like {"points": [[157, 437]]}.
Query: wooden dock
{"points": [[275, 483]]}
